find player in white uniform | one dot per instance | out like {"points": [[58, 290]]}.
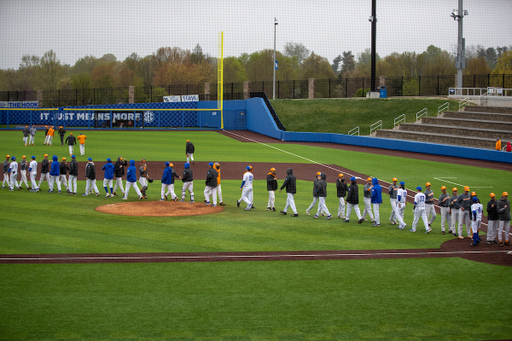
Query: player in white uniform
{"points": [[419, 211], [32, 168], [246, 188], [476, 213], [13, 174], [401, 202]]}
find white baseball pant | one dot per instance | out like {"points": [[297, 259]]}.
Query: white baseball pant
{"points": [[119, 183], [134, 185], [190, 157], [454, 221], [368, 208], [189, 185], [313, 203], [322, 207], [170, 190], [399, 213], [108, 184], [271, 198], [504, 225], [247, 195], [90, 185], [50, 139], [420, 212], [166, 189], [464, 218], [445, 218], [64, 181], [290, 202], [376, 213], [33, 181], [6, 181], [13, 180], [219, 192], [23, 178], [492, 230], [143, 182], [72, 183], [475, 225], [82, 149], [429, 209], [392, 217], [54, 179], [71, 147], [356, 209], [44, 176], [25, 140], [31, 139], [341, 208]]}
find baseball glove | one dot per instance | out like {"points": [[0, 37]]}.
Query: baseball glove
{"points": [[150, 180]]}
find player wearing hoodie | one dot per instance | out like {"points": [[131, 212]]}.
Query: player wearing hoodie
{"points": [[290, 183], [341, 192], [54, 174], [45, 169], [90, 178], [315, 194], [188, 183], [219, 189], [108, 178], [168, 182], [211, 186], [353, 200], [64, 169], [376, 200], [189, 150], [271, 188], [131, 181], [73, 174], [71, 141], [119, 173], [321, 190]]}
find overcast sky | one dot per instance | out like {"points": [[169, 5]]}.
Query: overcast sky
{"points": [[74, 28]]}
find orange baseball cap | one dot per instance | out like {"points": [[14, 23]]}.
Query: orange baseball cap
{"points": [[394, 179], [466, 188], [473, 194], [63, 159], [443, 187], [7, 156], [428, 184], [454, 189], [340, 175], [492, 195], [505, 193], [45, 155], [23, 157], [369, 179]]}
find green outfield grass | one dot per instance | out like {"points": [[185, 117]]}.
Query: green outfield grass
{"points": [[416, 299], [341, 115]]}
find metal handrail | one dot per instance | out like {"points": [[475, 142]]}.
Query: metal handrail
{"points": [[443, 107], [375, 126], [398, 120], [354, 131], [463, 102], [421, 113]]}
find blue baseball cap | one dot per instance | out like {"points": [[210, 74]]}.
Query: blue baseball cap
{"points": [[167, 164], [210, 164], [109, 160], [475, 199], [352, 179], [33, 157], [418, 188], [13, 158], [402, 183], [187, 165], [90, 159]]}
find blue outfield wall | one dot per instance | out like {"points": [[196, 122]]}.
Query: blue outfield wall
{"points": [[259, 120]]}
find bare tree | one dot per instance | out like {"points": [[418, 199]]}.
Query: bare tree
{"points": [[296, 50]]}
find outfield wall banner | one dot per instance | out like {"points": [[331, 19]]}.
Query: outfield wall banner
{"points": [[172, 99], [20, 105], [190, 98]]}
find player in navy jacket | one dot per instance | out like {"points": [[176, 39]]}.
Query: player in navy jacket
{"points": [[54, 174], [131, 181], [108, 178], [376, 200]]}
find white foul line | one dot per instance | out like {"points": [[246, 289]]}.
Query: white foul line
{"points": [[450, 182]]}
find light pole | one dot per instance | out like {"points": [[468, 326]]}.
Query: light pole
{"points": [[460, 62], [274, 66]]}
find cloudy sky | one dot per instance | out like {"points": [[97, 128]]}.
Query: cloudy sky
{"points": [[75, 28]]}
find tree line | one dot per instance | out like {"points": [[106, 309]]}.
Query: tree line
{"points": [[174, 65]]}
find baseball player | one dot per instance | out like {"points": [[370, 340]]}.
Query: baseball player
{"points": [[492, 219], [13, 174], [476, 210], [90, 178], [32, 168], [444, 203], [504, 217], [401, 202], [5, 170], [321, 190], [271, 188], [81, 139], [315, 193], [168, 182], [54, 174], [393, 192], [376, 200], [341, 192], [211, 186], [73, 175], [64, 169], [45, 170], [429, 204], [189, 150], [188, 183], [246, 189], [62, 132], [219, 189], [367, 198], [464, 201], [108, 177], [143, 177], [419, 211], [32, 136], [119, 173], [51, 134], [131, 181], [46, 129], [455, 214], [23, 171], [353, 200], [71, 141], [291, 188], [25, 135]]}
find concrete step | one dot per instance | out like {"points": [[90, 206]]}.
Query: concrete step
{"points": [[475, 115], [459, 131], [464, 122], [497, 110], [451, 140]]}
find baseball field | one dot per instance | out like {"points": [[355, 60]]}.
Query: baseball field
{"points": [[70, 272]]}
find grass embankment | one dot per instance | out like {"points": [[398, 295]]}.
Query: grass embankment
{"points": [[341, 115]]}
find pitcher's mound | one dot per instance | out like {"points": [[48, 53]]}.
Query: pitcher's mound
{"points": [[158, 209]]}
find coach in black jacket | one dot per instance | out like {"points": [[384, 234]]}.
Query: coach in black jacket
{"points": [[271, 188], [492, 220], [341, 191], [119, 173], [211, 185], [189, 150], [353, 200], [291, 189], [73, 174]]}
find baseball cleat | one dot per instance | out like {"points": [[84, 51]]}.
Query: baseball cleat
{"points": [[161, 199], [214, 205], [328, 217], [269, 209], [112, 195], [428, 231], [273, 209], [411, 230], [252, 207], [141, 197], [175, 199], [107, 195], [238, 204], [222, 204], [359, 221], [443, 232], [60, 192], [346, 220], [307, 212], [507, 243], [206, 203], [85, 195], [455, 234], [98, 194], [461, 237], [473, 244], [315, 216], [191, 201], [124, 198], [283, 212], [295, 215], [501, 244]]}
